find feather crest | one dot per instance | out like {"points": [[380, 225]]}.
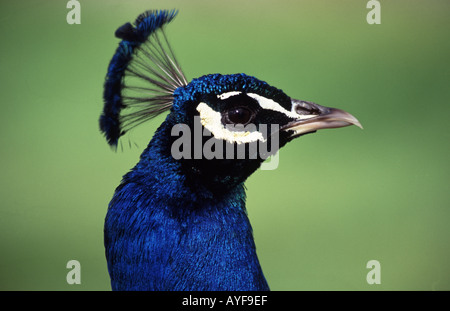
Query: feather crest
{"points": [[141, 77]]}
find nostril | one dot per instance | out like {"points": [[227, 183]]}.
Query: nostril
{"points": [[306, 108], [300, 109]]}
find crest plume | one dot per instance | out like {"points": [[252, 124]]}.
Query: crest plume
{"points": [[141, 77]]}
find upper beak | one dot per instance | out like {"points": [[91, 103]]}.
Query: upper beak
{"points": [[313, 117]]}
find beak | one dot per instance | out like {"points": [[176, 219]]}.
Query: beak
{"points": [[313, 117]]}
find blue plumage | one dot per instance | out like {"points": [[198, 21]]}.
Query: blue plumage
{"points": [[181, 223], [161, 234], [146, 25]]}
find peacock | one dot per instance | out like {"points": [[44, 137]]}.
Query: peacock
{"points": [[178, 219]]}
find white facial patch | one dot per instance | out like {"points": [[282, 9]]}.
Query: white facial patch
{"points": [[228, 95], [270, 104], [212, 121]]}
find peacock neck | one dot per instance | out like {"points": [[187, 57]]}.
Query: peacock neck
{"points": [[179, 234]]}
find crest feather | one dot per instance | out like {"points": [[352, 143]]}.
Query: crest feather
{"points": [[141, 77]]}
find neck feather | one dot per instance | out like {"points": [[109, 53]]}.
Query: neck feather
{"points": [[164, 232]]}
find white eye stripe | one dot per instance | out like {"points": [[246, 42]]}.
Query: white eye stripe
{"points": [[266, 103], [212, 121], [270, 104], [228, 95]]}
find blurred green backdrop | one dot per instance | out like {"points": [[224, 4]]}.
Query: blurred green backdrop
{"points": [[338, 198]]}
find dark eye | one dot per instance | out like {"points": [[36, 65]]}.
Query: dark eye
{"points": [[239, 115]]}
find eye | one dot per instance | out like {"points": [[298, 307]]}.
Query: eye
{"points": [[239, 115]]}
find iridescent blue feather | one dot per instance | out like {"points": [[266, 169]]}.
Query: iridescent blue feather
{"points": [[172, 225], [180, 223]]}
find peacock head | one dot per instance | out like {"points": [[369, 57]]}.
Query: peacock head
{"points": [[220, 127]]}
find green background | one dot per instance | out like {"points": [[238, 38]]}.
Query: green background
{"points": [[338, 198]]}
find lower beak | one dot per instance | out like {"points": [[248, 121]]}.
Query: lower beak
{"points": [[313, 117]]}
